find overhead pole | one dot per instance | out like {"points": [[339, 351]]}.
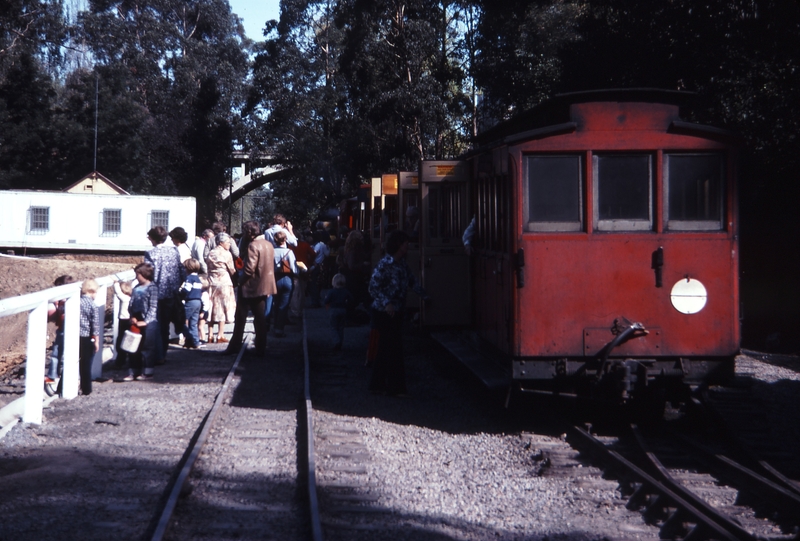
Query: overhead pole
{"points": [[96, 101]]}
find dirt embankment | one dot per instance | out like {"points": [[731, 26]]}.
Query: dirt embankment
{"points": [[21, 275]]}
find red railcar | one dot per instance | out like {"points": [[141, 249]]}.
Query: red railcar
{"points": [[606, 245]]}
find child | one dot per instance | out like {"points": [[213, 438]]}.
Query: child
{"points": [[192, 293], [143, 310], [337, 301], [90, 333], [123, 292], [55, 313]]}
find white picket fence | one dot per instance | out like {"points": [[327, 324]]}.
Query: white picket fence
{"points": [[36, 354]]}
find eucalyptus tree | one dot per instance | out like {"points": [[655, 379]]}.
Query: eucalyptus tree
{"points": [[177, 69], [519, 45], [31, 35], [406, 76], [295, 108]]}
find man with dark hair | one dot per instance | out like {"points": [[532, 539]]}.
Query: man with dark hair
{"points": [[388, 286], [179, 238], [168, 275]]}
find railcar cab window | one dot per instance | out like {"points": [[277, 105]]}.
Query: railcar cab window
{"points": [[554, 196], [623, 192], [693, 185]]}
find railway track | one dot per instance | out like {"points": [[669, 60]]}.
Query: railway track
{"points": [[234, 481], [690, 490]]}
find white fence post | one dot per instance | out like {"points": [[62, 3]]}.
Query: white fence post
{"points": [[72, 329], [34, 367]]}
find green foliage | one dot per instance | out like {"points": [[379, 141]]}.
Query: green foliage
{"points": [[344, 91]]}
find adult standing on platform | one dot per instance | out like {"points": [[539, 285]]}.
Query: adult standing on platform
{"points": [[168, 274], [223, 298], [179, 238], [256, 287], [305, 254], [285, 261], [281, 224], [199, 249], [388, 286], [317, 275], [211, 243]]}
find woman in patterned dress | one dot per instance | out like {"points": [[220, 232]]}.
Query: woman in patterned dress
{"points": [[223, 297]]}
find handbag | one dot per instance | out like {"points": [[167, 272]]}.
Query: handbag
{"points": [[283, 267]]}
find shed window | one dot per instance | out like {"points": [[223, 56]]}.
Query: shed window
{"points": [[554, 192], [112, 222], [693, 185], [159, 217], [39, 221], [623, 193]]}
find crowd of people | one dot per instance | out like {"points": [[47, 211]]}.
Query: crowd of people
{"points": [[183, 290]]}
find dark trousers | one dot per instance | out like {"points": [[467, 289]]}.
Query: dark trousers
{"points": [[85, 367], [338, 320], [258, 306], [144, 360], [170, 310], [122, 355], [389, 372]]}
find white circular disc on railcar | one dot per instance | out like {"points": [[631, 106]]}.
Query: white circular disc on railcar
{"points": [[688, 296]]}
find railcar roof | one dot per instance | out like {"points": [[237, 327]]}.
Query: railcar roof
{"points": [[556, 110]]}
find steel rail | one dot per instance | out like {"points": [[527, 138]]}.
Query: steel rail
{"points": [[707, 409], [705, 528], [194, 450], [665, 477], [779, 497], [313, 499]]}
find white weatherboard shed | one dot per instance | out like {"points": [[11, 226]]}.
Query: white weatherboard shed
{"points": [[89, 221]]}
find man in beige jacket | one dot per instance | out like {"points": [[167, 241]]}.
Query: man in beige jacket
{"points": [[256, 286]]}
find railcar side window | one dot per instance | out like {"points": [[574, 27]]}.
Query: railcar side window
{"points": [[446, 210], [623, 193], [693, 185], [554, 199], [38, 220]]}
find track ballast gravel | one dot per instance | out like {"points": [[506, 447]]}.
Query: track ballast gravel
{"points": [[446, 462]]}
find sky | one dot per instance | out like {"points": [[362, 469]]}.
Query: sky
{"points": [[254, 14]]}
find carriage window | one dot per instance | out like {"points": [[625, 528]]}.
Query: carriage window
{"points": [[693, 184], [622, 193], [445, 212], [377, 213], [554, 193]]}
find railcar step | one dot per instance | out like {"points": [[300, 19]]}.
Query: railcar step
{"points": [[479, 364]]}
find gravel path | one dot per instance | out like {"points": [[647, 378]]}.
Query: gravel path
{"points": [[447, 462], [97, 465]]}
